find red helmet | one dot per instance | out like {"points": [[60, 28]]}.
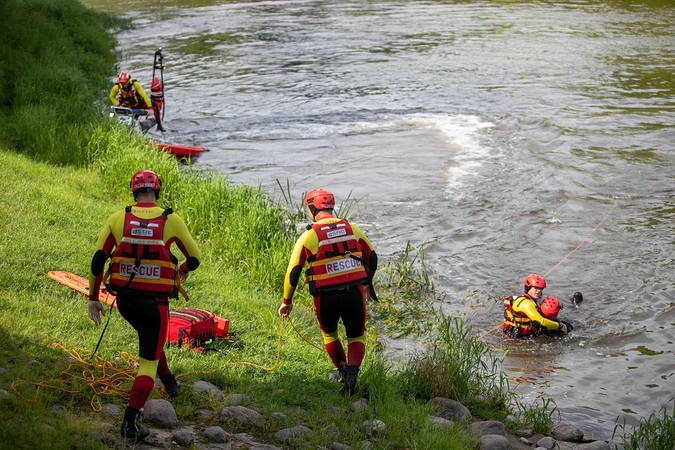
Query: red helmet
{"points": [[534, 280], [124, 78], [550, 307], [320, 199], [145, 179]]}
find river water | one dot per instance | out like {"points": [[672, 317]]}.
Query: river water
{"points": [[506, 137]]}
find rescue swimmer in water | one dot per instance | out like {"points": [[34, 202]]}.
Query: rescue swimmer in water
{"points": [[523, 316]]}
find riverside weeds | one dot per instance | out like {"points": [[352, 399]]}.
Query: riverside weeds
{"points": [[457, 365], [653, 432], [406, 293]]}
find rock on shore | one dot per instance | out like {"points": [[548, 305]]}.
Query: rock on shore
{"points": [[166, 432]]}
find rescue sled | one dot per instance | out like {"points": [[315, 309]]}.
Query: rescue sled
{"points": [[81, 285], [180, 150], [183, 320]]}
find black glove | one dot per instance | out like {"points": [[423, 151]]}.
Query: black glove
{"points": [[568, 325]]}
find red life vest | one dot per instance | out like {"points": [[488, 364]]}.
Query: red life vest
{"points": [[129, 97], [515, 322], [156, 93], [338, 262], [141, 262]]}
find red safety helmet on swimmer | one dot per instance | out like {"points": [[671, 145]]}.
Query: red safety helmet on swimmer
{"points": [[534, 280], [320, 199], [550, 307], [124, 78], [145, 179]]}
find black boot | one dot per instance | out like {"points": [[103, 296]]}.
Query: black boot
{"points": [[343, 372], [170, 384], [338, 375], [130, 428], [350, 380]]}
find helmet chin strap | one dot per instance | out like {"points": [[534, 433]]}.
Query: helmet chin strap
{"points": [[313, 211]]}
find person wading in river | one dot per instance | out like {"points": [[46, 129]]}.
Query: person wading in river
{"points": [[144, 275], [523, 316], [341, 263]]}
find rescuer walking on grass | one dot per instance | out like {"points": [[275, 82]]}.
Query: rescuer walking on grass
{"points": [[144, 275], [341, 263]]}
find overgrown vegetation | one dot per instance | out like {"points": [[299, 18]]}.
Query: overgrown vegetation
{"points": [[456, 365], [653, 433], [64, 168], [54, 64], [408, 293]]}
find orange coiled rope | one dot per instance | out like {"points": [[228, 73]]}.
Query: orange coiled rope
{"points": [[102, 378], [98, 375]]}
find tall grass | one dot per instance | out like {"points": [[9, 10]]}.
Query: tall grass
{"points": [[457, 365], [652, 433], [55, 61], [406, 292]]}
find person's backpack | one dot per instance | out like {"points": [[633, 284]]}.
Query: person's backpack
{"points": [[195, 328]]}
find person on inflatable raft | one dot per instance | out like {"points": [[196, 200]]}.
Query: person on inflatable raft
{"points": [[524, 317]]}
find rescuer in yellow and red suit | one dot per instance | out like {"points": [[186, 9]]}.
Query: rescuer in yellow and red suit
{"points": [[524, 317], [144, 275], [129, 93], [341, 263]]}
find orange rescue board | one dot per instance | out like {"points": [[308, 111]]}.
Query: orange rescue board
{"points": [[180, 150], [81, 285]]}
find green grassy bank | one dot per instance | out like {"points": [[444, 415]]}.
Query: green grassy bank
{"points": [[64, 168], [55, 60], [51, 216]]}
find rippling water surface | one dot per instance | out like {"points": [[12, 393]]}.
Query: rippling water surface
{"points": [[508, 137]]}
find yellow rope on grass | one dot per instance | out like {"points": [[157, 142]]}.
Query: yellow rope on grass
{"points": [[100, 375], [105, 379]]}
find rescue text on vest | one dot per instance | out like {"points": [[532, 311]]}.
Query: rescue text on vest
{"points": [[342, 265]]}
